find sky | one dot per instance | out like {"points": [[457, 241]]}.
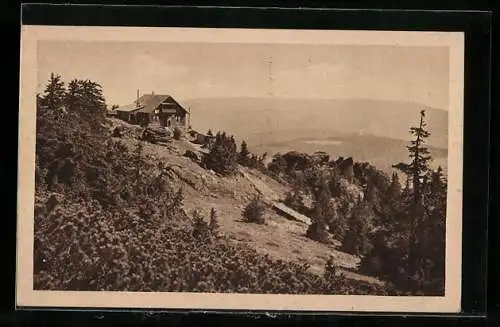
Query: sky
{"points": [[217, 70]]}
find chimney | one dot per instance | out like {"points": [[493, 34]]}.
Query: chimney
{"points": [[137, 100], [152, 92]]}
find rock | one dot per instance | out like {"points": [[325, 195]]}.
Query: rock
{"points": [[192, 155], [298, 160], [320, 157], [117, 132]]}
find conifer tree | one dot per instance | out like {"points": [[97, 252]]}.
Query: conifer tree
{"points": [[244, 154], [293, 198], [322, 214], [394, 190], [86, 97], [371, 192], [54, 92], [356, 240], [416, 171], [222, 157], [213, 225]]}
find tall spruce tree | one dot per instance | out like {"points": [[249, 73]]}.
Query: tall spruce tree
{"points": [[322, 214], [416, 171]]}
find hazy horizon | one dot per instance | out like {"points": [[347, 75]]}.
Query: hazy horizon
{"points": [[227, 70]]}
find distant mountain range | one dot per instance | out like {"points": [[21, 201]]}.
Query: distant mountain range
{"points": [[383, 152], [246, 116], [368, 130]]}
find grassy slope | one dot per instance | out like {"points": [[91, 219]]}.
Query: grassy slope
{"points": [[280, 238]]}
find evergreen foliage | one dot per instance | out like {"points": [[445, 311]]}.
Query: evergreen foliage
{"points": [[254, 211], [114, 216], [223, 156]]}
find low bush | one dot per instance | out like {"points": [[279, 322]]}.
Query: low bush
{"points": [[201, 230], [317, 231], [79, 246], [254, 211]]}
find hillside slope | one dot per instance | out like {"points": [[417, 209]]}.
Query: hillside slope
{"points": [[280, 238]]}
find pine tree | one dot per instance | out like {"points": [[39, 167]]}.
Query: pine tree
{"points": [[355, 240], [86, 97], [223, 156], [213, 225], [54, 92], [244, 154], [322, 209], [416, 171], [394, 190], [323, 213], [431, 234], [293, 198], [371, 193]]}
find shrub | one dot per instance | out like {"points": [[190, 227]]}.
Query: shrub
{"points": [[317, 231], [81, 247], [200, 226], [332, 276], [223, 156], [254, 211]]}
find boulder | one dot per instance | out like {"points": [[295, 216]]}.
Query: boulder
{"points": [[320, 157], [192, 155], [117, 132], [298, 160]]}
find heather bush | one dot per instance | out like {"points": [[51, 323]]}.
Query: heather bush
{"points": [[80, 246]]}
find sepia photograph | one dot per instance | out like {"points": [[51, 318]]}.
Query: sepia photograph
{"points": [[240, 169]]}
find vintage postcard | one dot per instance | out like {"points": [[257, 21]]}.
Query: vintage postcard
{"points": [[240, 169]]}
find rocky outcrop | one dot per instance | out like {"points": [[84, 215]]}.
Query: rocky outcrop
{"points": [[320, 158], [192, 155]]}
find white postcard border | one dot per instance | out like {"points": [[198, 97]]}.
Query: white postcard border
{"points": [[27, 297]]}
